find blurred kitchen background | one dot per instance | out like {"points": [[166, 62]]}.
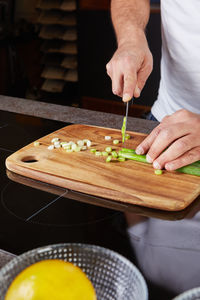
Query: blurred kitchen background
{"points": [[56, 51]]}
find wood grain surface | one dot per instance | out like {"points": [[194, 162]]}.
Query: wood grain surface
{"points": [[129, 181]]}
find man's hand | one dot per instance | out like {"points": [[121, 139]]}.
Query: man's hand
{"points": [[174, 143], [130, 67]]}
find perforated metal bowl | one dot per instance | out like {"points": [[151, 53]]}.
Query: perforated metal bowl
{"points": [[193, 294], [112, 275]]}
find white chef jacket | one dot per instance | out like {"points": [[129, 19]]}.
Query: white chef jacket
{"points": [[180, 63]]}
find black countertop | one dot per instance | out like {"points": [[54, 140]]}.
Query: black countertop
{"points": [[164, 246]]}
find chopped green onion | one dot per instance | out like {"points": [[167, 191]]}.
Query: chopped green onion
{"points": [[196, 163], [93, 150], [115, 142], [158, 172], [55, 140], [133, 156], [121, 159], [85, 141], [73, 147], [128, 150], [80, 143], [127, 136], [84, 148], [108, 159], [104, 153], [36, 144], [51, 147], [114, 154], [63, 145], [89, 143], [107, 137], [69, 150], [77, 149], [190, 169], [66, 147], [123, 129], [108, 149], [57, 146], [98, 153]]}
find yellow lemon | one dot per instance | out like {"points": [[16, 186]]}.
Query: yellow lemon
{"points": [[51, 280]]}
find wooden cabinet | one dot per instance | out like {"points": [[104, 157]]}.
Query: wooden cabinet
{"points": [[94, 5]]}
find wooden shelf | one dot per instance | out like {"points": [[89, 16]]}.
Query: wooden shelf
{"points": [[115, 107], [94, 4], [105, 5]]}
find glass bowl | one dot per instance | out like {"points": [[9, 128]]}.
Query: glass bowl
{"points": [[113, 276], [193, 294]]}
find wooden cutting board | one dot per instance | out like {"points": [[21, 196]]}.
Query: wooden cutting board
{"points": [[129, 181]]}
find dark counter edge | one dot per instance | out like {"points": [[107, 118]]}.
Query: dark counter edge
{"points": [[72, 114]]}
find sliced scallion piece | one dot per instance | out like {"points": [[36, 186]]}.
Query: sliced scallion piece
{"points": [[158, 172], [93, 150], [115, 142], [36, 144], [57, 146], [114, 154], [55, 140], [85, 141], [66, 146], [63, 143], [109, 158], [98, 153], [89, 143], [73, 147], [56, 143], [77, 149], [108, 149], [127, 136], [121, 159], [51, 147], [80, 143], [107, 137], [104, 153]]}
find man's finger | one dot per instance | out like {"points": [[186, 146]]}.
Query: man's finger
{"points": [[165, 138], [187, 158], [109, 69], [176, 150], [130, 81], [137, 92], [117, 83], [143, 147], [142, 77]]}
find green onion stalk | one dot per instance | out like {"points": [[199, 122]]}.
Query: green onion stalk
{"points": [[123, 129], [192, 169]]}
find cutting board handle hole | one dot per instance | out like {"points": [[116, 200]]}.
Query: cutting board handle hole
{"points": [[29, 159]]}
